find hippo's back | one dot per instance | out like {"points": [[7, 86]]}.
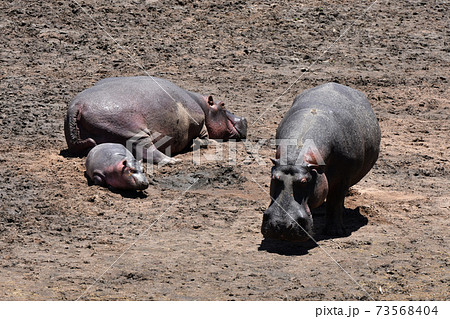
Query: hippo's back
{"points": [[340, 122], [141, 94], [333, 97]]}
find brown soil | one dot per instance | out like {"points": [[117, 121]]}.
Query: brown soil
{"points": [[58, 235]]}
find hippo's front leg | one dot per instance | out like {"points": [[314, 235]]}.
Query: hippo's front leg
{"points": [[202, 141], [152, 155], [144, 148], [334, 225], [147, 151], [204, 133]]}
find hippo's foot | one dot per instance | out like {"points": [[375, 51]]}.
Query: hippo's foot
{"points": [[81, 146], [200, 143], [153, 155], [167, 161], [335, 230]]}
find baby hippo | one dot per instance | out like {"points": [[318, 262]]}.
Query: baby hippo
{"points": [[112, 165]]}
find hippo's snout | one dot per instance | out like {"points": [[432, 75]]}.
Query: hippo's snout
{"points": [[283, 225], [141, 181], [241, 127]]}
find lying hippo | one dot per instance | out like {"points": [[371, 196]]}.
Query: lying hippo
{"points": [[154, 113], [327, 142], [112, 165]]}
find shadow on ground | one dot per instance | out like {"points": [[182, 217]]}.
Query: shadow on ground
{"points": [[353, 221]]}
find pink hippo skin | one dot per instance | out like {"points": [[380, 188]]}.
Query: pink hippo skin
{"points": [[148, 110]]}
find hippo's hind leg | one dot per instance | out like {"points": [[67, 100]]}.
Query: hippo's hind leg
{"points": [[334, 225], [75, 143], [82, 146]]}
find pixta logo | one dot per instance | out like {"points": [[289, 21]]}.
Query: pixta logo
{"points": [[147, 145], [295, 152], [153, 147]]}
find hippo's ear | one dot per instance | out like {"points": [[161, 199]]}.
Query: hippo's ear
{"points": [[212, 106], [221, 105], [275, 162], [319, 168], [124, 165]]}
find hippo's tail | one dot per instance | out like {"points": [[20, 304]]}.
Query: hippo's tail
{"points": [[75, 144]]}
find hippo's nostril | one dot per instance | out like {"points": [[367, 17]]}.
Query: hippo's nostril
{"points": [[301, 223], [304, 225]]}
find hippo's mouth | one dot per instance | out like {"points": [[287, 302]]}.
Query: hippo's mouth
{"points": [[237, 126], [234, 131], [286, 235], [140, 181], [295, 226]]}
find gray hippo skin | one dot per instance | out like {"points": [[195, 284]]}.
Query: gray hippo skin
{"points": [[112, 165], [336, 142], [150, 110]]}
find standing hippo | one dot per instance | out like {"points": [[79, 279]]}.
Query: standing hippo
{"points": [[336, 141], [154, 113], [112, 165]]}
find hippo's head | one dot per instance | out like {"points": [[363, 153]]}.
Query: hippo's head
{"points": [[128, 175], [294, 190], [222, 124]]}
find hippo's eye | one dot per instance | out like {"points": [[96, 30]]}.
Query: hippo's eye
{"points": [[131, 171], [301, 181], [276, 176]]}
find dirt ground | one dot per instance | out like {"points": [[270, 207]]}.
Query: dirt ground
{"points": [[194, 234]]}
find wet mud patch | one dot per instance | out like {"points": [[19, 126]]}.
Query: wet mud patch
{"points": [[203, 178]]}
